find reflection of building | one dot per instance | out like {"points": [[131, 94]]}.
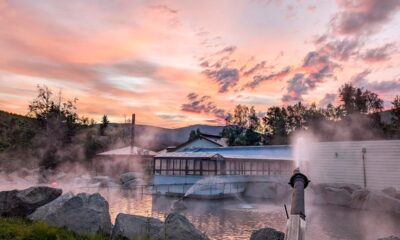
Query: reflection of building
{"points": [[127, 159], [232, 167]]}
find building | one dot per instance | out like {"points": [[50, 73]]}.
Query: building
{"points": [[222, 170], [370, 164], [202, 141], [127, 159]]}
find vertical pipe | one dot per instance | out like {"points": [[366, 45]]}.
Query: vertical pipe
{"points": [[364, 151], [133, 132]]}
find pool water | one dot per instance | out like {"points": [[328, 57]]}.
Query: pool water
{"points": [[238, 218]]}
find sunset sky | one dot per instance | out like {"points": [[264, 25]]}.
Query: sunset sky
{"points": [[176, 63]]}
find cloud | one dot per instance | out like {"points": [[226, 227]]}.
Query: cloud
{"points": [[202, 104], [259, 66], [341, 49], [363, 17], [165, 8], [217, 67], [225, 77], [360, 80], [171, 116], [315, 69], [257, 79], [329, 98], [379, 54]]}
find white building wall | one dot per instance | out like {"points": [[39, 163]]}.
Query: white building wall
{"points": [[342, 162]]}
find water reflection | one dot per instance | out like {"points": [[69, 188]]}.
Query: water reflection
{"points": [[225, 219]]}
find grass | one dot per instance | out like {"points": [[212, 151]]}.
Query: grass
{"points": [[22, 229]]}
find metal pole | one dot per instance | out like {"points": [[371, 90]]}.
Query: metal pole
{"points": [[296, 222], [364, 151], [133, 132]]}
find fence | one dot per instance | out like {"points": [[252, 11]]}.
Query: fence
{"points": [[371, 164]]}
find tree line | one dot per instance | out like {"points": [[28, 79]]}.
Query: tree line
{"points": [[52, 132], [357, 117]]}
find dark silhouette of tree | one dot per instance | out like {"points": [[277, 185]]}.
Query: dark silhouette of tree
{"points": [[243, 127], [357, 100], [58, 117], [103, 125], [194, 134], [395, 112], [347, 95], [276, 127]]}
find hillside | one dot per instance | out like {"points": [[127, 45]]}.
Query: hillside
{"points": [[157, 138], [16, 130], [19, 130]]}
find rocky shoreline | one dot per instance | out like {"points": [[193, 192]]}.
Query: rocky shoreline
{"points": [[88, 214], [353, 196]]}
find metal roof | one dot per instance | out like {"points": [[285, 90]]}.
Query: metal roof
{"points": [[281, 152], [128, 151], [185, 155]]}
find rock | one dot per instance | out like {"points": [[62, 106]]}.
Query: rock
{"points": [[84, 214], [178, 205], [335, 194], [389, 238], [130, 180], [391, 191], [178, 227], [21, 203], [44, 211], [127, 177], [132, 227], [267, 234], [374, 200]]}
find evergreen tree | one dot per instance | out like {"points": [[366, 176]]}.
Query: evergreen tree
{"points": [[103, 125]]}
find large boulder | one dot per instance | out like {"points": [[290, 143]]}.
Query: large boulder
{"points": [[374, 200], [21, 203], [335, 194], [132, 227], [267, 234], [178, 227], [44, 211], [84, 214]]}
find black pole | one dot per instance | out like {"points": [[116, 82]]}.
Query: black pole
{"points": [[299, 182], [364, 151], [133, 133]]}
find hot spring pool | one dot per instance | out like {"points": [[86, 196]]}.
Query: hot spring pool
{"points": [[236, 219]]}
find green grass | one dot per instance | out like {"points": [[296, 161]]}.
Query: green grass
{"points": [[21, 229]]}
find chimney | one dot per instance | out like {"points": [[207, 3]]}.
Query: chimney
{"points": [[133, 133]]}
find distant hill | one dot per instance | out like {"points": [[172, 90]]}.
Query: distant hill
{"points": [[157, 138], [17, 129]]}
